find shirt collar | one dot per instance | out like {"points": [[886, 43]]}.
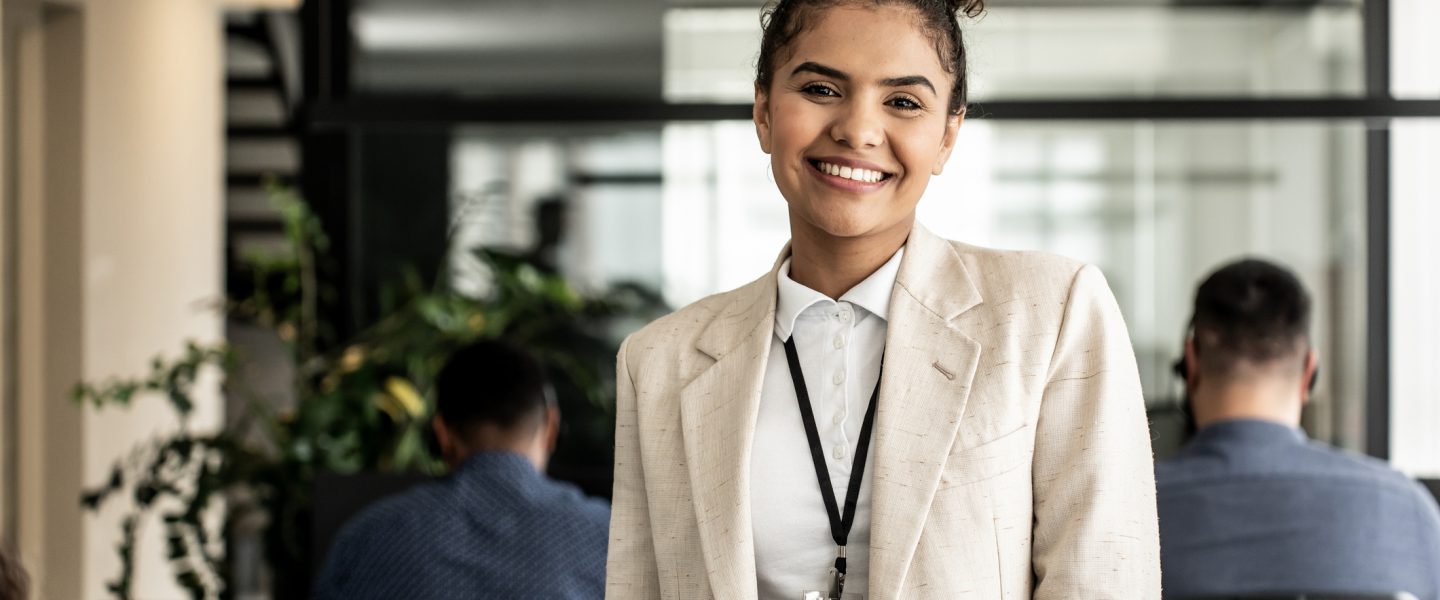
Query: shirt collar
{"points": [[872, 294], [1253, 431], [504, 462]]}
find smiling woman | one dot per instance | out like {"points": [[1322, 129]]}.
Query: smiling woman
{"points": [[992, 394], [836, 105]]}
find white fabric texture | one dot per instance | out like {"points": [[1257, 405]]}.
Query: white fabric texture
{"points": [[1011, 452], [839, 344]]}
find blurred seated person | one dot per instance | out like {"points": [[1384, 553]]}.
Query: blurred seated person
{"points": [[496, 527], [1250, 504]]}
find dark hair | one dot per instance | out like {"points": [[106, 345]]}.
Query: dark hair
{"points": [[491, 382], [1250, 312], [782, 20]]}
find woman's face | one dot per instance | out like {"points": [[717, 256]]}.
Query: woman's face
{"points": [[856, 120]]}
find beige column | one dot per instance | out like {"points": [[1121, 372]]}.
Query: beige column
{"points": [[49, 87], [153, 230], [7, 400], [7, 220], [120, 259]]}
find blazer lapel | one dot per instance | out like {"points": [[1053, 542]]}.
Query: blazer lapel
{"points": [[717, 411], [923, 391]]}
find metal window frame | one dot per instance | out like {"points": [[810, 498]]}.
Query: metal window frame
{"points": [[1377, 234], [333, 111], [364, 111]]}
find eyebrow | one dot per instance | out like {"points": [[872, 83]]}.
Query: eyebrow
{"points": [[819, 69]]}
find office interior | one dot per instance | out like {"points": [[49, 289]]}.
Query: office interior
{"points": [[282, 178]]}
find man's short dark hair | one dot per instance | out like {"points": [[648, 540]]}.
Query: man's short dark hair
{"points": [[491, 382], [1250, 313]]}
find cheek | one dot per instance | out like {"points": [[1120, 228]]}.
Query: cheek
{"points": [[918, 147], [797, 127]]}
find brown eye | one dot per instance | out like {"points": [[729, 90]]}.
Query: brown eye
{"points": [[816, 89], [905, 104]]}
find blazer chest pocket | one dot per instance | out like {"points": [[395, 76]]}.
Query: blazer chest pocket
{"points": [[994, 457]]}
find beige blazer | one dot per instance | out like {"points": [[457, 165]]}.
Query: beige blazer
{"points": [[1012, 455]]}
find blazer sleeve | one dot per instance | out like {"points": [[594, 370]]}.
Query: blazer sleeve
{"points": [[631, 568], [1096, 533]]}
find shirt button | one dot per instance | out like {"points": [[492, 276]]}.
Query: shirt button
{"points": [[844, 315], [839, 451], [839, 416], [839, 341], [839, 377]]}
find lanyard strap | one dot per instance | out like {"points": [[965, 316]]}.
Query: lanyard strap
{"points": [[839, 523]]}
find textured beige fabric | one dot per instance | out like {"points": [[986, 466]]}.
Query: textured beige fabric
{"points": [[1012, 455]]}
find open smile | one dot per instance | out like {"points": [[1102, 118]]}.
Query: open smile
{"points": [[848, 175]]}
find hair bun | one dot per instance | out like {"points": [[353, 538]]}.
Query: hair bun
{"points": [[969, 8]]}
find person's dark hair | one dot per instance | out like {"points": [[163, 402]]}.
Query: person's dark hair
{"points": [[14, 583], [782, 20], [491, 382], [1250, 312]]}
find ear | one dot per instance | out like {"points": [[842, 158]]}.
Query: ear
{"points": [[1312, 362], [543, 444], [444, 439], [552, 428], [761, 114], [947, 143], [1192, 365]]}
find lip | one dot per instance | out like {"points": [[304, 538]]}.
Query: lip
{"points": [[849, 185]]}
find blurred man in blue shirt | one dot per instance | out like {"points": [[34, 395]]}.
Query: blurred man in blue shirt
{"points": [[496, 527], [1250, 505]]}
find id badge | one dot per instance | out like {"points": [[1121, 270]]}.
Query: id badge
{"points": [[837, 583]]}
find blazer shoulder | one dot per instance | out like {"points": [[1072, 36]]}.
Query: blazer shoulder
{"points": [[683, 327], [1020, 271]]}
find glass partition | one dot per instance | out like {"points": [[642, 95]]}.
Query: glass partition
{"points": [[689, 209], [586, 202], [1414, 297], [1310, 49], [705, 51], [1156, 206], [507, 48], [1414, 49]]}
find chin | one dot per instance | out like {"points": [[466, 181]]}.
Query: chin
{"points": [[846, 223]]}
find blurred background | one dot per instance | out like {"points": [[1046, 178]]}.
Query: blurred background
{"points": [[321, 198]]}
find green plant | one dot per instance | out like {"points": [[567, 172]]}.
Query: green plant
{"points": [[359, 406]]}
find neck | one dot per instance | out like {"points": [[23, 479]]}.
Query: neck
{"points": [[528, 446], [833, 265], [1276, 402]]}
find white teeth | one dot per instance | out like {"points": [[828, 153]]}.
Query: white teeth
{"points": [[863, 175]]}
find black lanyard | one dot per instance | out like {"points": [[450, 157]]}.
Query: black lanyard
{"points": [[839, 524]]}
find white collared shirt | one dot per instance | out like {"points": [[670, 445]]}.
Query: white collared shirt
{"points": [[840, 345]]}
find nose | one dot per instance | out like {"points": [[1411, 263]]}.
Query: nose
{"points": [[858, 126]]}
